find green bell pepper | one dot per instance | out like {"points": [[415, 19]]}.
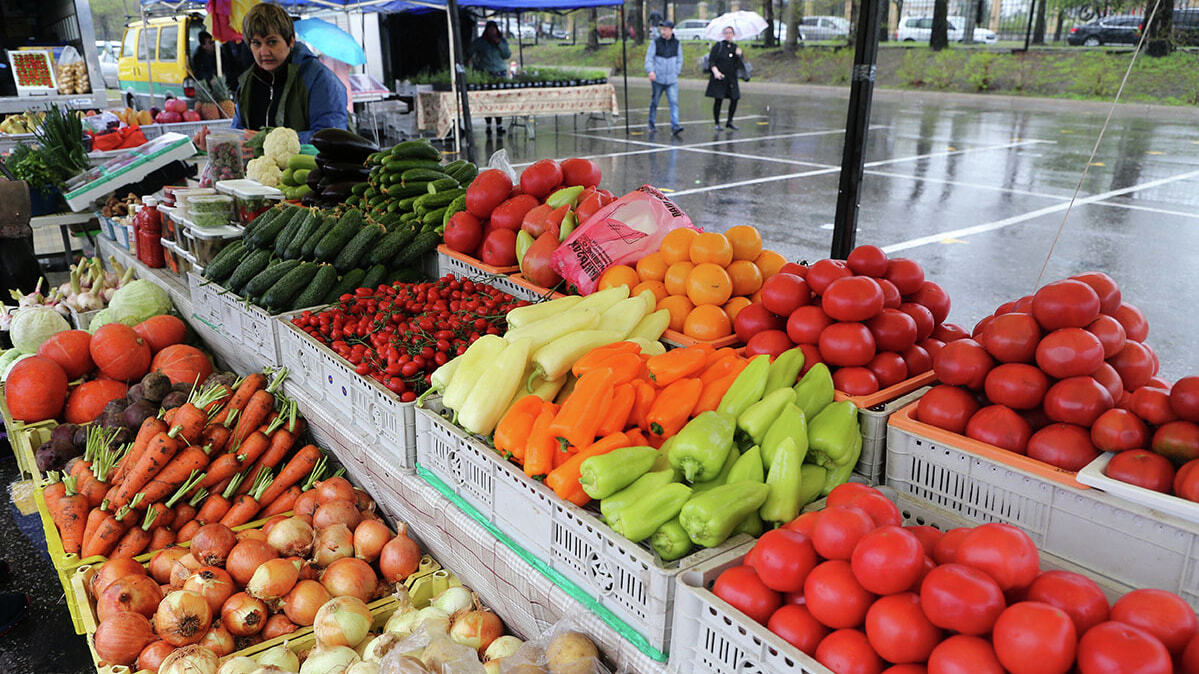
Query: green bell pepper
{"points": [[747, 388], [784, 371], [749, 469], [671, 541], [710, 517], [723, 476], [663, 460], [699, 450], [610, 507], [758, 417], [839, 474], [834, 435], [791, 423], [640, 520], [604, 475], [782, 505], [814, 390], [812, 483]]}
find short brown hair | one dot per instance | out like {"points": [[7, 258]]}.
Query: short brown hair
{"points": [[264, 19]]}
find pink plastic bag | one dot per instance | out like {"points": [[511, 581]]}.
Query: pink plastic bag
{"points": [[622, 232]]}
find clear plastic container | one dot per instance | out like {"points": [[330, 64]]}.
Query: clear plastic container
{"points": [[182, 197], [249, 197], [224, 156], [210, 210], [204, 244]]}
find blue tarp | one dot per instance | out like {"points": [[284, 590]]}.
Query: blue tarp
{"points": [[390, 6]]}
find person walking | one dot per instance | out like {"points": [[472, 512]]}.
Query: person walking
{"points": [[663, 63], [204, 58], [723, 61], [489, 53]]}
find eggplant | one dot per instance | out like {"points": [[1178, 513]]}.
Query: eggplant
{"points": [[174, 399], [339, 191], [138, 412], [155, 386], [337, 172], [341, 145], [314, 178]]}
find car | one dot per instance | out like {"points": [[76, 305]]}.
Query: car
{"points": [[780, 32], [1108, 30], [825, 28], [920, 29], [528, 32], [109, 63], [1186, 26], [691, 29], [606, 27]]}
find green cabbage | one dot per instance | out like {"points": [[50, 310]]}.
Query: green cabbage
{"points": [[10, 358], [33, 325], [135, 302]]}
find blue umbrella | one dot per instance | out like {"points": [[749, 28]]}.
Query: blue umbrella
{"points": [[331, 41]]}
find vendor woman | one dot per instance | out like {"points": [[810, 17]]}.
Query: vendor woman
{"points": [[288, 85]]}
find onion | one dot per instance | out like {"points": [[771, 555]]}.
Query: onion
{"points": [[333, 543], [292, 537], [270, 669], [363, 501], [454, 600], [400, 558], [307, 517], [139, 594], [375, 649], [503, 647], [306, 503], [335, 488], [363, 668], [338, 511], [435, 620], [401, 623], [182, 618], [273, 580], [243, 615], [163, 561], [112, 570], [215, 585], [190, 660], [280, 656], [342, 621], [350, 577], [244, 643], [153, 655], [218, 640], [477, 629], [277, 626], [492, 667], [212, 543], [238, 665], [121, 638], [251, 535], [305, 599], [270, 523], [246, 557], [329, 660], [184, 567], [369, 538], [405, 664], [307, 570]]}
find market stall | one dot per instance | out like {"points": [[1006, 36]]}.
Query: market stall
{"points": [[437, 111]]}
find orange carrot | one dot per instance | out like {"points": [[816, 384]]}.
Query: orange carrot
{"points": [[54, 490], [110, 530], [94, 518], [241, 395], [539, 450], [216, 436], [151, 427], [247, 505], [221, 469], [135, 541], [169, 416], [186, 511], [256, 410], [70, 516], [565, 478], [253, 447], [185, 469], [288, 499], [216, 505], [188, 530], [161, 538], [164, 516], [295, 470], [158, 454], [283, 503]]}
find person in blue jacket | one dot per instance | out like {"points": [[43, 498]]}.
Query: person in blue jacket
{"points": [[663, 63]]}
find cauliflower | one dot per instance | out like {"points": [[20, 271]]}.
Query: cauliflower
{"points": [[280, 144], [264, 170]]}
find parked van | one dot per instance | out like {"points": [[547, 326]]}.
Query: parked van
{"points": [[158, 51]]}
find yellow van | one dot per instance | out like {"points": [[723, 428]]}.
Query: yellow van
{"points": [[158, 51]]}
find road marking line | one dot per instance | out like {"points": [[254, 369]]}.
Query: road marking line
{"points": [[1017, 219], [758, 181], [960, 183], [1136, 207], [946, 153], [618, 127]]}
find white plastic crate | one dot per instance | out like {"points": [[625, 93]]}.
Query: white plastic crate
{"points": [[206, 301], [448, 264], [301, 355], [337, 382], [388, 425], [1120, 543], [873, 421]]}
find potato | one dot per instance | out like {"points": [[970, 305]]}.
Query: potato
{"points": [[571, 653]]}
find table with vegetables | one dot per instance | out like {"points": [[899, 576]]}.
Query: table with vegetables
{"points": [[411, 415]]}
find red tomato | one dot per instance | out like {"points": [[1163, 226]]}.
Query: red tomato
{"points": [[511, 213], [906, 669], [856, 381], [1012, 338], [1065, 304], [1177, 441], [811, 356], [795, 624], [839, 530], [499, 248], [1163, 614], [488, 190], [961, 598], [917, 359], [1004, 552], [1184, 398], [1077, 400], [1136, 326], [845, 494], [933, 346], [784, 293], [1110, 333], [1104, 286], [1023, 305], [888, 368], [1116, 648], [794, 268], [772, 342], [1135, 365], [1069, 352], [891, 296], [893, 330], [805, 523], [824, 272], [754, 319], [1080, 597], [848, 652], [946, 549], [1118, 430], [947, 407], [998, 425], [907, 275], [1142, 468], [463, 232], [961, 654], [1109, 379], [741, 587], [1036, 418], [541, 178], [867, 261], [1152, 405], [922, 316], [783, 559], [576, 171], [805, 324], [898, 630], [1016, 385], [886, 561], [949, 332], [964, 362], [1063, 445], [882, 511], [846, 344], [927, 535], [1190, 657], [851, 298], [935, 298], [835, 597], [1186, 481], [980, 326], [1034, 638]]}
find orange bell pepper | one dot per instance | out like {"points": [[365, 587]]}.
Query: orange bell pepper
{"points": [[641, 405], [564, 479], [616, 417], [596, 357], [512, 432], [539, 450], [667, 368], [672, 408], [713, 391], [721, 367], [636, 437], [580, 415]]}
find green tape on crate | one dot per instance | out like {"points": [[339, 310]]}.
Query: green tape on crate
{"points": [[633, 636]]}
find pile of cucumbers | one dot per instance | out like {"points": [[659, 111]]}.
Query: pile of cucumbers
{"points": [[409, 187]]}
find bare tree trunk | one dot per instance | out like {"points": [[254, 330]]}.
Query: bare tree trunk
{"points": [[968, 29], [1159, 41], [884, 22], [638, 22], [1057, 30], [1038, 27], [593, 29], [853, 23], [794, 19], [940, 33], [768, 14]]}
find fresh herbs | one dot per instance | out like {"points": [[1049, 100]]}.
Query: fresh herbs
{"points": [[30, 165], [61, 136]]}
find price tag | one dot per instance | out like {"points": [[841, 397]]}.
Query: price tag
{"points": [[81, 103]]}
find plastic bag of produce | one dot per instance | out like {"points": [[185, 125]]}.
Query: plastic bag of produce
{"points": [[622, 232], [72, 73], [499, 160], [565, 647], [435, 651]]}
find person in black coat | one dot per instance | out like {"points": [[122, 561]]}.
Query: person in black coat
{"points": [[723, 61]]}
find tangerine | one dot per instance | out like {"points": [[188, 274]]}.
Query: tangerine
{"points": [[618, 275], [676, 277], [652, 267], [746, 242], [676, 246], [711, 247], [709, 283], [735, 305], [746, 276], [707, 322], [770, 263], [656, 287], [679, 307]]}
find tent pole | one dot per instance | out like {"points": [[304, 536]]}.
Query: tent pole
{"points": [[520, 44], [459, 73], [449, 26], [624, 69]]}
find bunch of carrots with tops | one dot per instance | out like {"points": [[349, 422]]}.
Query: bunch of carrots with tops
{"points": [[218, 458], [620, 397]]}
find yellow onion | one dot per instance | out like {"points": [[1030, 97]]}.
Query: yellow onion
{"points": [[280, 656], [238, 665], [329, 660], [190, 660], [342, 621]]}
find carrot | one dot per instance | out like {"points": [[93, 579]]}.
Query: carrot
{"points": [[672, 408], [186, 511], [217, 505], [161, 538], [151, 427], [216, 436], [135, 541], [110, 530], [253, 447], [579, 416], [512, 432], [181, 468], [158, 454], [70, 516], [169, 416], [242, 392], [539, 450], [221, 469], [188, 530], [164, 516], [256, 409], [281, 443], [616, 416], [295, 470], [54, 490], [282, 503], [247, 505], [564, 479], [669, 367], [94, 518]]}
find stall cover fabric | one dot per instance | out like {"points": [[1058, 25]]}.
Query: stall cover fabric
{"points": [[426, 5]]}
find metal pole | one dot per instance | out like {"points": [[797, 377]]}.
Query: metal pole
{"points": [[520, 44], [857, 124], [460, 76], [624, 68], [1032, 10]]}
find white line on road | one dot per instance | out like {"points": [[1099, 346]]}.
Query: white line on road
{"points": [[960, 183], [948, 153], [1017, 219], [1136, 207], [619, 127]]}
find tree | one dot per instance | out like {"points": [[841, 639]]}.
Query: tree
{"points": [[1158, 40], [768, 14], [638, 21], [593, 29], [1038, 27], [794, 11], [108, 17], [940, 34], [884, 20]]}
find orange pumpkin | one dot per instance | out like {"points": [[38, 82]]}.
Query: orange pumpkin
{"points": [[120, 353], [70, 350], [161, 331], [182, 364], [87, 400], [36, 389]]}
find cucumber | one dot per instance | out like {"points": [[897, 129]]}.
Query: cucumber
{"points": [[430, 201], [401, 165], [338, 236], [374, 276], [454, 165], [347, 284], [265, 279], [321, 284], [265, 218], [286, 289], [358, 246], [360, 188], [251, 266], [327, 222], [301, 162], [433, 218], [310, 225], [289, 233], [225, 262], [264, 237], [420, 174], [456, 206], [443, 185], [422, 244], [416, 149], [410, 190], [353, 200], [408, 275], [465, 174], [390, 246]]}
